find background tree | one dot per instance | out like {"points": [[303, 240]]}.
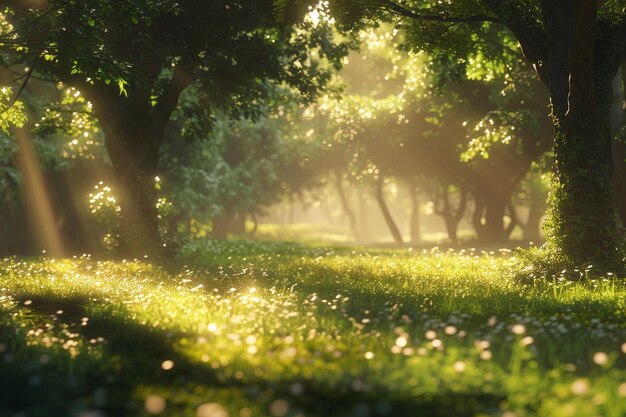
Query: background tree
{"points": [[477, 131], [576, 48], [233, 170]]}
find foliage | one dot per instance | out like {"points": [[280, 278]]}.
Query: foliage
{"points": [[498, 129], [240, 166], [9, 175], [103, 205], [70, 122], [134, 69], [387, 99], [105, 209], [400, 119], [227, 48], [11, 113], [575, 64]]}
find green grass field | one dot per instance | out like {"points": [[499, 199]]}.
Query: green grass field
{"points": [[267, 329]]}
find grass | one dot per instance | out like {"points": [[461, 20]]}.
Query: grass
{"points": [[271, 329]]}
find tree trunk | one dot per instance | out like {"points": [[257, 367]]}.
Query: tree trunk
{"points": [[345, 204], [221, 226], [139, 229], [514, 220], [451, 228], [133, 133], [488, 218], [291, 213], [619, 146], [477, 216], [380, 198], [452, 217], [363, 216], [415, 213], [532, 228], [135, 170], [583, 215], [238, 225], [173, 221], [493, 231], [255, 224]]}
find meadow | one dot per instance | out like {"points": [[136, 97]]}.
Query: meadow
{"points": [[242, 329]]}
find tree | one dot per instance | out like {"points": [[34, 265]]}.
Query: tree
{"points": [[532, 195], [576, 47], [404, 116], [132, 60], [238, 167]]}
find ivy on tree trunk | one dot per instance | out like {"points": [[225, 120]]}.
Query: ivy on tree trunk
{"points": [[583, 220]]}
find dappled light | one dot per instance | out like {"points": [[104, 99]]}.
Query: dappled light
{"points": [[475, 332], [305, 208]]}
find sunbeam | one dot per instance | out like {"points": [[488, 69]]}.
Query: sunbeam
{"points": [[36, 196]]}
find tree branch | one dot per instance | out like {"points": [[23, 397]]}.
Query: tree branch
{"points": [[403, 11], [181, 79], [462, 204], [23, 86], [527, 29], [514, 219]]}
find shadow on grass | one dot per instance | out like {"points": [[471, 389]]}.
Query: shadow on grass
{"points": [[108, 378]]}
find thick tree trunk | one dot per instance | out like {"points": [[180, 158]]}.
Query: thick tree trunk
{"points": [[139, 229], [238, 225], [583, 216], [380, 198], [133, 139], [452, 217], [488, 218], [221, 226], [173, 221], [494, 221], [135, 170], [133, 131], [619, 146]]}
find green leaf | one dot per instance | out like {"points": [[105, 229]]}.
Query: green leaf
{"points": [[91, 22], [122, 86]]}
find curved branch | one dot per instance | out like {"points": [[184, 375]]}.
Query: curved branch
{"points": [[23, 86], [181, 79], [403, 11]]}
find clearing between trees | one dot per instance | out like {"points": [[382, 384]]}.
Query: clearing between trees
{"points": [[272, 329]]}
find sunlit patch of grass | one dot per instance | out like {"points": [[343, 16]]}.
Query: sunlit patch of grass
{"points": [[271, 329], [303, 232]]}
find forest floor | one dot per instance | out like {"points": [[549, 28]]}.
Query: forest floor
{"points": [[244, 329]]}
